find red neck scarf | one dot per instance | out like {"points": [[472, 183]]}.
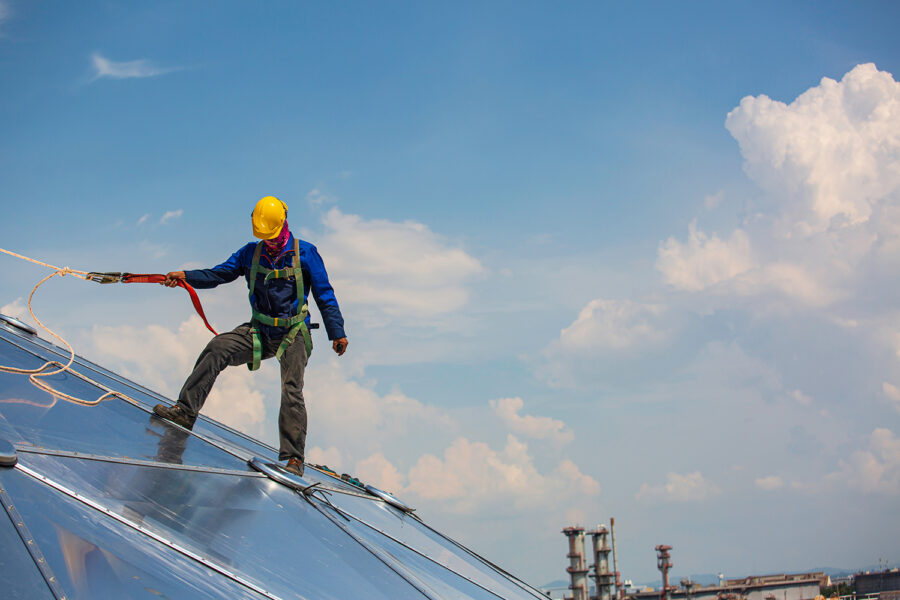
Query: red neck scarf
{"points": [[276, 245]]}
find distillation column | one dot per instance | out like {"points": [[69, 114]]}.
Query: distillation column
{"points": [[602, 576], [577, 569]]}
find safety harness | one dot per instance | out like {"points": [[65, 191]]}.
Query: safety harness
{"points": [[297, 323]]}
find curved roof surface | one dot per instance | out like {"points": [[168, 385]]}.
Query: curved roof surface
{"points": [[105, 500]]}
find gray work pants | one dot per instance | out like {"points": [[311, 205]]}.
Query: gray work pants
{"points": [[235, 348]]}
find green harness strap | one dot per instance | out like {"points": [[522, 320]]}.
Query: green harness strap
{"points": [[297, 323]]}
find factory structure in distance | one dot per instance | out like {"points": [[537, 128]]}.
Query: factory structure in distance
{"points": [[591, 578]]}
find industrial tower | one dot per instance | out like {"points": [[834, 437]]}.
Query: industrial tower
{"points": [[603, 577], [663, 563], [577, 569]]}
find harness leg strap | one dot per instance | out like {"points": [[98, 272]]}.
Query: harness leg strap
{"points": [[257, 350]]}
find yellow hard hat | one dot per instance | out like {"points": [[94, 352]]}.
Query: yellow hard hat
{"points": [[268, 217]]}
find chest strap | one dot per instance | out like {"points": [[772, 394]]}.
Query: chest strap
{"points": [[297, 323]]}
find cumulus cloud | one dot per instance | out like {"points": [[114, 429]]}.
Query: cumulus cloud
{"points": [[161, 358], [801, 398], [613, 325], [772, 482], [535, 427], [607, 329], [17, 309], [892, 393], [471, 475], [330, 457], [169, 215], [876, 470], [379, 471], [396, 269], [358, 425], [728, 267], [831, 154], [104, 67], [704, 260], [830, 164], [350, 414], [679, 488]]}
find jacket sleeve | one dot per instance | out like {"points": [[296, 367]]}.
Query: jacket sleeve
{"points": [[324, 295], [226, 272]]}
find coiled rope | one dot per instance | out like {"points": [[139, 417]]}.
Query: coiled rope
{"points": [[41, 372]]}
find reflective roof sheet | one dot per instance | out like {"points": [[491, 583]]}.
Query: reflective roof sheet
{"points": [[105, 500]]}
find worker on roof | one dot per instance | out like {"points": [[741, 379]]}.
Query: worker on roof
{"points": [[280, 271]]}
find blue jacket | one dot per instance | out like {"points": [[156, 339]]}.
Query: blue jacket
{"points": [[278, 297]]}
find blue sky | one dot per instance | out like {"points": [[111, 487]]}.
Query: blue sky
{"points": [[588, 267]]}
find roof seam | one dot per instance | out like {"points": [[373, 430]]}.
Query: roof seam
{"points": [[31, 545], [133, 461], [411, 579], [411, 549]]}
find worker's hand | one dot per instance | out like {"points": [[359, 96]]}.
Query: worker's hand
{"points": [[340, 346], [173, 278]]}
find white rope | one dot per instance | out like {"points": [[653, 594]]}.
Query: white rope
{"points": [[34, 374]]}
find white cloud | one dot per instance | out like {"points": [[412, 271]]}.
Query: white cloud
{"points": [[161, 358], [801, 398], [535, 427], [317, 198], [892, 393], [396, 270], [472, 476], [378, 471], [103, 67], [351, 415], [876, 470], [832, 154], [330, 458], [830, 164], [17, 308], [143, 219], [604, 330], [704, 260], [5, 11], [679, 488], [728, 267], [169, 215], [772, 482], [613, 325]]}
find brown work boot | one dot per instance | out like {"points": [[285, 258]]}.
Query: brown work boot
{"points": [[176, 414], [295, 466]]}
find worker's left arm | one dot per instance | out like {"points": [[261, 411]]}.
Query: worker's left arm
{"points": [[323, 293]]}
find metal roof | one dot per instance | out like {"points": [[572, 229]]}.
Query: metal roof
{"points": [[108, 501]]}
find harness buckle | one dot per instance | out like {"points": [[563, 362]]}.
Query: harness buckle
{"points": [[108, 277]]}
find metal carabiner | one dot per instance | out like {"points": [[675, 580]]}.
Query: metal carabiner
{"points": [[108, 277]]}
